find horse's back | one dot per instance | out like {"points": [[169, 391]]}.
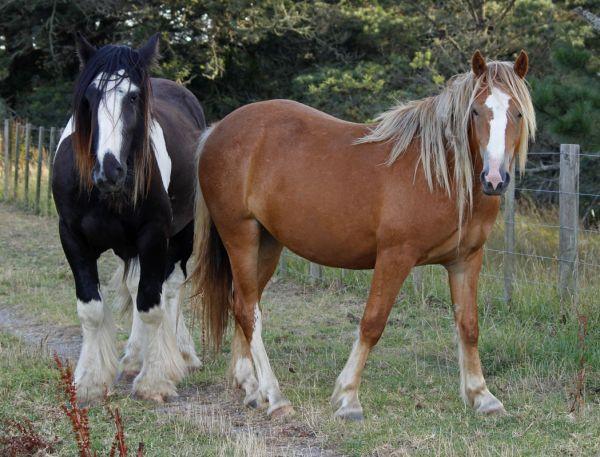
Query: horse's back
{"points": [[300, 173], [167, 92]]}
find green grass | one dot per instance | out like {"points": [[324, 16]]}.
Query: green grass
{"points": [[529, 352]]}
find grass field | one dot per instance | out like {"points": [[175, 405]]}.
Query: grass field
{"points": [[529, 352]]}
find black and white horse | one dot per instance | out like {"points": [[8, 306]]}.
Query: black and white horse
{"points": [[124, 179]]}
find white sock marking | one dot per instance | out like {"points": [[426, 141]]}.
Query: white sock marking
{"points": [[97, 364], [268, 384]]}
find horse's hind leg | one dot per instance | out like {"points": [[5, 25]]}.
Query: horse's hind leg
{"points": [[391, 268], [463, 277], [97, 364], [131, 362], [242, 368], [243, 246], [180, 250]]}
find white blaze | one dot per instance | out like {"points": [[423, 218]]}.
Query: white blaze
{"points": [[497, 101], [110, 121]]}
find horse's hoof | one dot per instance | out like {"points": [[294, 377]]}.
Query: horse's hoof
{"points": [[193, 363], [156, 397], [282, 411], [350, 414], [253, 400], [127, 376], [490, 405]]}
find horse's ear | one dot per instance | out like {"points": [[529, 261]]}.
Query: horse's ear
{"points": [[522, 64], [85, 50], [149, 52], [478, 64]]}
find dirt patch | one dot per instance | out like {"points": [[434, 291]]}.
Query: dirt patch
{"points": [[215, 407], [62, 340]]}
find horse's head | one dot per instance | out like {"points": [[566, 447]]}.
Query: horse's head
{"points": [[111, 110], [497, 122]]}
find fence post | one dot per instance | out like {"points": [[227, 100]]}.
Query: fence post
{"points": [[569, 221], [283, 263], [315, 273], [40, 158], [417, 281], [6, 157], [27, 158], [50, 166], [509, 237], [17, 154]]}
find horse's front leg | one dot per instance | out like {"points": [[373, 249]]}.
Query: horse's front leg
{"points": [[463, 277], [97, 364], [163, 366], [391, 268]]}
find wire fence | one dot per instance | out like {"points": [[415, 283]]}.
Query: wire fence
{"points": [[537, 254], [26, 165], [528, 247]]}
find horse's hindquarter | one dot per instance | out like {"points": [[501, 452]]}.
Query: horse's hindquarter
{"points": [[301, 175]]}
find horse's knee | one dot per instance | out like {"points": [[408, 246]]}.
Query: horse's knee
{"points": [[370, 331], [469, 330]]}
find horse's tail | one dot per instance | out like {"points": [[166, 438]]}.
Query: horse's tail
{"points": [[211, 278]]}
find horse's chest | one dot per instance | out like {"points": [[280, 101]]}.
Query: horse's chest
{"points": [[109, 233]]}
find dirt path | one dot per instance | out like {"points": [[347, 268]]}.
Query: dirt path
{"points": [[213, 407]]}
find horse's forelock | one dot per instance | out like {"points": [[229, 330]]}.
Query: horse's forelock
{"points": [[441, 123], [115, 64]]}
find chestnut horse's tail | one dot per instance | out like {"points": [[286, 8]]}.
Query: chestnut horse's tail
{"points": [[211, 278]]}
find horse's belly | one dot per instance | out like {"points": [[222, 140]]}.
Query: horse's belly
{"points": [[326, 236]]}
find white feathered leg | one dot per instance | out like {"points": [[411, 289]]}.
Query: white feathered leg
{"points": [[131, 363], [97, 365], [163, 365], [185, 343]]}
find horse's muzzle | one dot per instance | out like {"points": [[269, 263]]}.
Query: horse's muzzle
{"points": [[110, 177], [495, 186]]}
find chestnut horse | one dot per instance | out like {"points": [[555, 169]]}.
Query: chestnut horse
{"points": [[421, 186]]}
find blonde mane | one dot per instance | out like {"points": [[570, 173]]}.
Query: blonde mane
{"points": [[441, 123]]}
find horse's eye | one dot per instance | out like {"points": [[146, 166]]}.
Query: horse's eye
{"points": [[519, 115], [475, 113], [133, 98]]}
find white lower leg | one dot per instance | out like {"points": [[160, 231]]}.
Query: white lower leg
{"points": [[185, 343], [345, 393], [242, 369], [163, 365], [473, 388], [97, 365], [267, 382], [131, 363], [132, 360]]}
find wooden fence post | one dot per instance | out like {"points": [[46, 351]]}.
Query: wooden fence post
{"points": [[283, 263], [50, 166], [6, 157], [27, 158], [569, 221], [417, 281], [509, 237], [17, 154], [40, 158], [315, 273]]}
